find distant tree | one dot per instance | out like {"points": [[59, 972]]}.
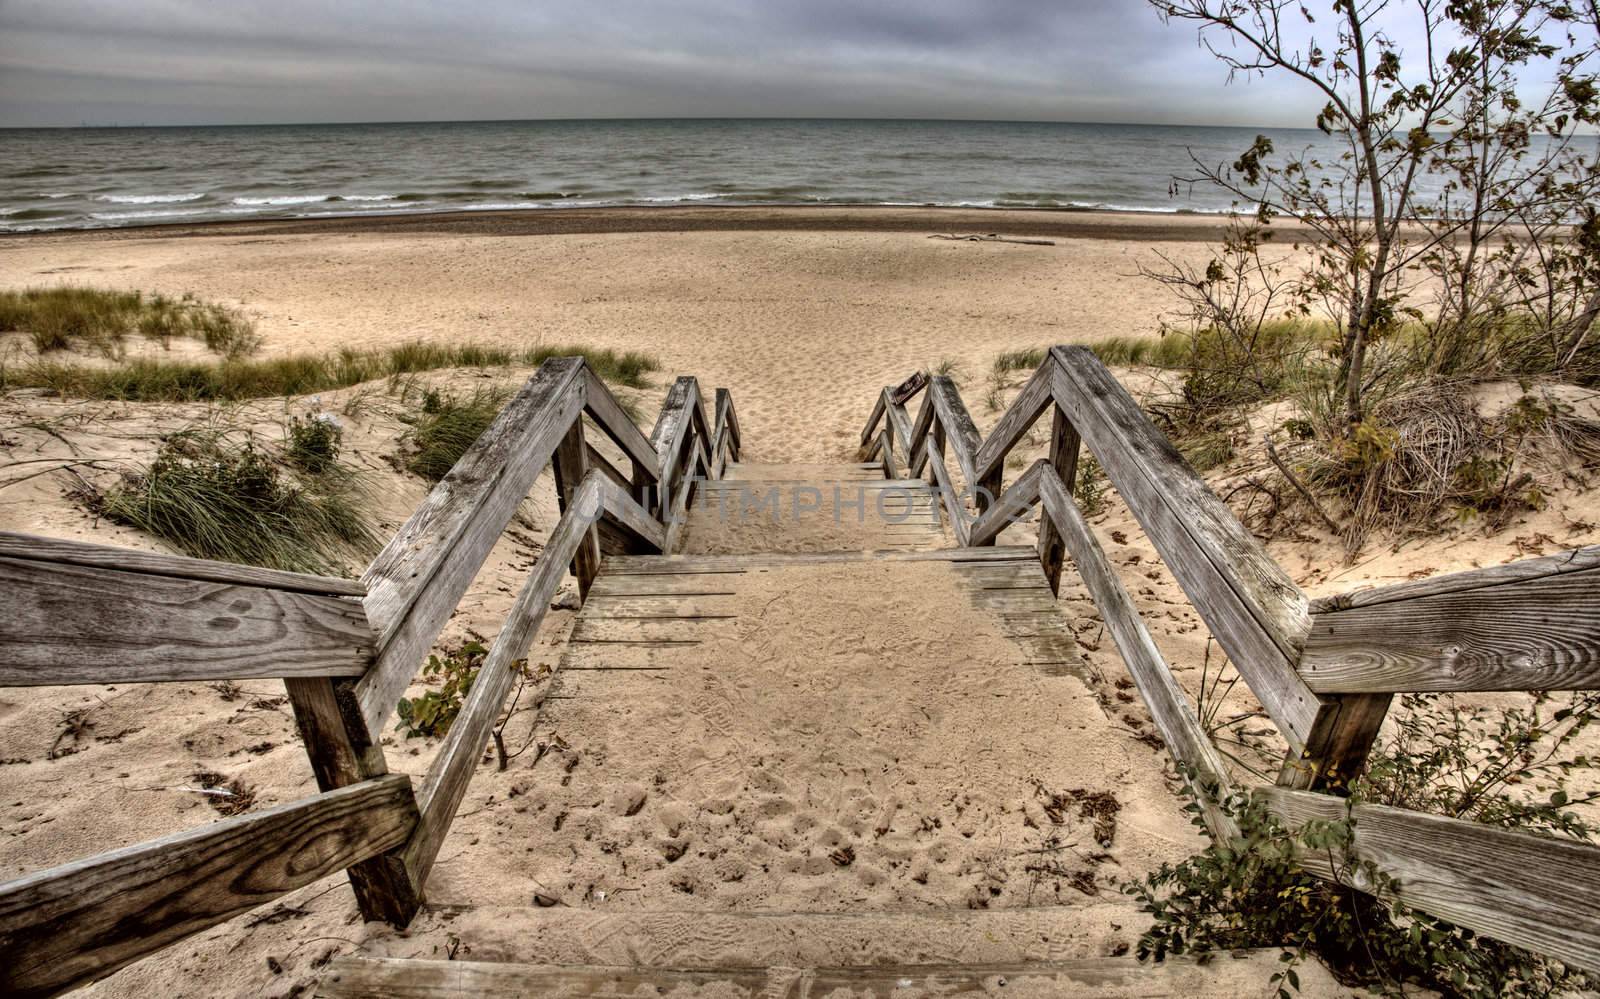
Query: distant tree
{"points": [[1514, 174]]}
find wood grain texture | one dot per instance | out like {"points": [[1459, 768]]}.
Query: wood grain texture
{"points": [[75, 624], [452, 769], [419, 577], [1537, 892], [1537, 633], [1009, 508], [41, 549], [615, 423], [570, 465], [959, 429], [1576, 560], [1110, 977], [81, 921], [959, 518], [1174, 716]]}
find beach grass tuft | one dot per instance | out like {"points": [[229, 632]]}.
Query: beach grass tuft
{"points": [[214, 495], [447, 425]]}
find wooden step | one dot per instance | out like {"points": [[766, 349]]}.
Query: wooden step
{"points": [[1225, 975], [799, 472]]}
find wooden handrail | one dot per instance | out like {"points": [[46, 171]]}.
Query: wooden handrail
{"points": [[74, 615], [1528, 625], [72, 924]]}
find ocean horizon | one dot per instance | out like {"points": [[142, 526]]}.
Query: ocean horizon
{"points": [[110, 176]]}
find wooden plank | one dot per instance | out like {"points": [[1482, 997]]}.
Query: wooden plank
{"points": [[418, 579], [959, 518], [1021, 415], [1064, 446], [958, 426], [1540, 633], [413, 978], [1577, 560], [594, 459], [457, 760], [1255, 611], [676, 630], [81, 921], [35, 548], [728, 417], [871, 429], [900, 424], [343, 753], [622, 510], [73, 624], [1000, 559], [1538, 892], [672, 425], [602, 606], [919, 435], [570, 467], [886, 448], [1009, 508], [1174, 716], [616, 424]]}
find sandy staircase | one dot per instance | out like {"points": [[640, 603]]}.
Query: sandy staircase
{"points": [[796, 685]]}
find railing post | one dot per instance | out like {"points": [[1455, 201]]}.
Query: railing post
{"points": [[1342, 735], [571, 464], [343, 752], [1064, 459]]}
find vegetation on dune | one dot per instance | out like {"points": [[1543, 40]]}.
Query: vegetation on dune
{"points": [[162, 380], [447, 425], [1441, 757], [68, 318], [431, 714], [225, 495]]}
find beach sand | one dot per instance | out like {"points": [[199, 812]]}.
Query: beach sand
{"points": [[803, 314]]}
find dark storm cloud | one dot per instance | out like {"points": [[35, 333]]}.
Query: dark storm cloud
{"points": [[173, 61]]}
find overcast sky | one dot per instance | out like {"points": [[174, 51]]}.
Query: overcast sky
{"points": [[63, 62]]}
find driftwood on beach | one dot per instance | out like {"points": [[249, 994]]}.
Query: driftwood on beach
{"points": [[991, 237]]}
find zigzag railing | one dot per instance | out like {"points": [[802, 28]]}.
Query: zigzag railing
{"points": [[346, 652], [1324, 670]]}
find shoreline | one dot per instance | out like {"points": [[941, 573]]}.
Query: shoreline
{"points": [[1061, 223]]}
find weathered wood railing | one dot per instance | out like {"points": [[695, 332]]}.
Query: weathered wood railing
{"points": [[1324, 670], [79, 613]]}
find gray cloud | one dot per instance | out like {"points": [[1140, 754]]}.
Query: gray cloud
{"points": [[190, 61]]}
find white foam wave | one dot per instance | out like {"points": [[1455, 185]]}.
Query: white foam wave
{"points": [[366, 197], [147, 199], [159, 214], [283, 199]]}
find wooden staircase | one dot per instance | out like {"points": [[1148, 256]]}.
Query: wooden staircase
{"points": [[730, 653]]}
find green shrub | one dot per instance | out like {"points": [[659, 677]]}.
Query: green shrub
{"points": [[313, 443], [212, 497], [432, 714], [1442, 758], [447, 426]]}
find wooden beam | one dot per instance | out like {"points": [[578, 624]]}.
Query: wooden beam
{"points": [[1064, 446], [344, 753], [55, 550], [1249, 603], [72, 924], [900, 422], [672, 426], [74, 623], [959, 429], [1011, 506], [920, 431], [871, 429], [1577, 560], [1538, 892], [457, 760], [570, 466], [594, 459], [958, 514], [1522, 633], [1021, 415], [728, 417], [621, 510], [1175, 718], [421, 574], [615, 423]]}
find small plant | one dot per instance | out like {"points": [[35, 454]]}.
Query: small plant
{"points": [[431, 714], [213, 496], [63, 318], [447, 426], [1089, 488], [313, 443]]}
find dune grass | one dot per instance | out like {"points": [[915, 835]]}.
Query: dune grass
{"points": [[213, 495], [447, 426], [67, 318], [164, 380]]}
